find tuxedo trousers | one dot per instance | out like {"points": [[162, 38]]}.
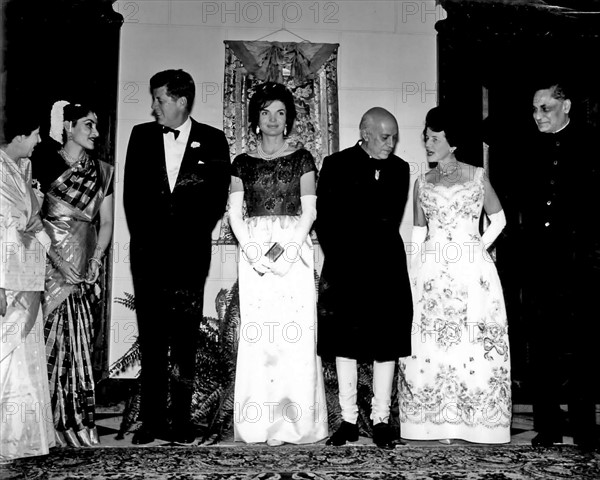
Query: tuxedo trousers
{"points": [[168, 322]]}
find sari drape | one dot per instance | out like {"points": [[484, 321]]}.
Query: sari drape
{"points": [[26, 425], [70, 209]]}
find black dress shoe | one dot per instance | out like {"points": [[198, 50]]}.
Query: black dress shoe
{"points": [[184, 439], [347, 432], [587, 442], [184, 435], [383, 436], [546, 440], [589, 447], [143, 436]]}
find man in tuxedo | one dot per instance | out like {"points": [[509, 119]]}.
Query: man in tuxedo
{"points": [[175, 189], [558, 218], [361, 195]]}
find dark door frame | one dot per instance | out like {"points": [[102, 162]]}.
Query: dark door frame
{"points": [[64, 50]]}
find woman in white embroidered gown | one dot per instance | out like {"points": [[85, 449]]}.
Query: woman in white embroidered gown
{"points": [[456, 384], [279, 389]]}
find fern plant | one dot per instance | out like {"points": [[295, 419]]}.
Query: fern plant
{"points": [[212, 402]]}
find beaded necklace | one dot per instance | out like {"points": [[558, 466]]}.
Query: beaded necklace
{"points": [[75, 164], [271, 156], [447, 169]]}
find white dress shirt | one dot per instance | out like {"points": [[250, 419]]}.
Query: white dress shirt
{"points": [[174, 150]]}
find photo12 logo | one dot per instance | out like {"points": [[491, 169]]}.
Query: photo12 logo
{"points": [[129, 10], [271, 12], [133, 92], [271, 412], [419, 92], [423, 12]]}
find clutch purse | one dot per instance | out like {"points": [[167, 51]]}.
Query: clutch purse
{"points": [[274, 252]]}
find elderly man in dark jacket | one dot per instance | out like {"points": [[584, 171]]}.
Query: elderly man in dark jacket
{"points": [[365, 305]]}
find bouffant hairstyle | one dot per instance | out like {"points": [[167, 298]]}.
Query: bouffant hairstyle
{"points": [[267, 93], [438, 120]]}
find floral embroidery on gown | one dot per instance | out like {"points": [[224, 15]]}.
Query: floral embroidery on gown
{"points": [[456, 384]]}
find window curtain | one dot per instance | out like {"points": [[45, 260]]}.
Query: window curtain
{"points": [[308, 69]]}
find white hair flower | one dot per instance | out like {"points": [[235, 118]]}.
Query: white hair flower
{"points": [[57, 120]]}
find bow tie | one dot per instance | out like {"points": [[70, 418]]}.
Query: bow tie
{"points": [[171, 130]]}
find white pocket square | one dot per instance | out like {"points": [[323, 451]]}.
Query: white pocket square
{"points": [[200, 162], [195, 144]]}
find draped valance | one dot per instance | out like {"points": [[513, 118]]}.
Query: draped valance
{"points": [[276, 61]]}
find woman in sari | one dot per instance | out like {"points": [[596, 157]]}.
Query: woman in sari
{"points": [[78, 196], [24, 394]]}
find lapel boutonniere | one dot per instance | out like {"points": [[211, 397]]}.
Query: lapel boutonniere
{"points": [[196, 145]]}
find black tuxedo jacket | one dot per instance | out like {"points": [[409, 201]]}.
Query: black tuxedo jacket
{"points": [[171, 231]]}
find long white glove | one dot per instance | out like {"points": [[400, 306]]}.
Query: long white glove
{"points": [[309, 215], [497, 224], [293, 249], [418, 236], [417, 239], [252, 251], [236, 219]]}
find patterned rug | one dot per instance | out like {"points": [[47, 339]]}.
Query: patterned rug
{"points": [[316, 462]]}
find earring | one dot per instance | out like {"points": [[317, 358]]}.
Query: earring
{"points": [[452, 149], [285, 131], [257, 130]]}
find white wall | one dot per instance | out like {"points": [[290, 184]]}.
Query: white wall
{"points": [[387, 57]]}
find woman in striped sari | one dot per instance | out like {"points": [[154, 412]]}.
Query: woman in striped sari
{"points": [[78, 198]]}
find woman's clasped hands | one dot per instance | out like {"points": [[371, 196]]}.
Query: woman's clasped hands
{"points": [[74, 277], [262, 263]]}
